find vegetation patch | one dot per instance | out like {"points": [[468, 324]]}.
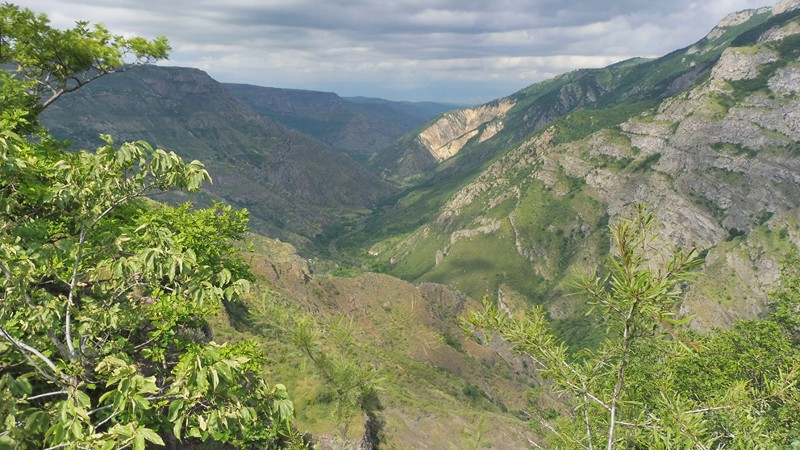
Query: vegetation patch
{"points": [[734, 149], [581, 123]]}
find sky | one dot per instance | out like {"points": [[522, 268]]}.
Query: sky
{"points": [[458, 51]]}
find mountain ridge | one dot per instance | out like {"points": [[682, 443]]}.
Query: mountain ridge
{"points": [[358, 127], [297, 185], [712, 154]]}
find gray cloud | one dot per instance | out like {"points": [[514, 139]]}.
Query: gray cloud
{"points": [[453, 50]]}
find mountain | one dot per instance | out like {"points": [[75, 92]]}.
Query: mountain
{"points": [[459, 136], [359, 126], [292, 184], [511, 197]]}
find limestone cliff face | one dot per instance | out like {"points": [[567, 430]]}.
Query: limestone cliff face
{"points": [[722, 167], [454, 129]]}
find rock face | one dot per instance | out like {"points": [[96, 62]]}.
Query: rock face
{"points": [[737, 64], [448, 135], [785, 5]]}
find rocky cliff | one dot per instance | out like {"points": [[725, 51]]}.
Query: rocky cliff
{"points": [[454, 129]]}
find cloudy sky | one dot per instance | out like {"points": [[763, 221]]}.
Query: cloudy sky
{"points": [[465, 51]]}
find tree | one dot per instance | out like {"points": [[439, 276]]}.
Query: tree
{"points": [[785, 309], [348, 379], [51, 62], [651, 384], [104, 341]]}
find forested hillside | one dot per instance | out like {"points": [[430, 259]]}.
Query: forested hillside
{"points": [[359, 127], [292, 184]]}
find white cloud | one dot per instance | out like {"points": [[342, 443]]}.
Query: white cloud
{"points": [[420, 49]]}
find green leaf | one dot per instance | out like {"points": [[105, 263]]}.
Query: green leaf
{"points": [[224, 370], [22, 386], [151, 436], [138, 441], [83, 399], [177, 428], [7, 443], [202, 422], [77, 430], [37, 421], [214, 378], [175, 409]]}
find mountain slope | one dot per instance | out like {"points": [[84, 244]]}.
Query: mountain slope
{"points": [[718, 163], [512, 118], [477, 136], [440, 389], [292, 184], [359, 127]]}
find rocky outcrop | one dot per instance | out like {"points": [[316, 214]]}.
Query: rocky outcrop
{"points": [[786, 80], [785, 5], [739, 64], [448, 135], [778, 33]]}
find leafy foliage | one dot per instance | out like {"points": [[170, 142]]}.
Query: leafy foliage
{"points": [[51, 62], [786, 306], [105, 342]]}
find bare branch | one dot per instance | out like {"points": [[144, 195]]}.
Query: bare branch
{"points": [[26, 349], [47, 394]]}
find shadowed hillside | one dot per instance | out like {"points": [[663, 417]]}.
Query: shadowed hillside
{"points": [[293, 185], [359, 127]]}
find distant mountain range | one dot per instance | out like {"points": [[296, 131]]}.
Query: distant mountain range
{"points": [[358, 126]]}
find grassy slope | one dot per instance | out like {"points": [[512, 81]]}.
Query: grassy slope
{"points": [[441, 389]]}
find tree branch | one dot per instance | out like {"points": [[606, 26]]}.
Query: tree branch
{"points": [[47, 394], [58, 93], [73, 282], [586, 419], [25, 349]]}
